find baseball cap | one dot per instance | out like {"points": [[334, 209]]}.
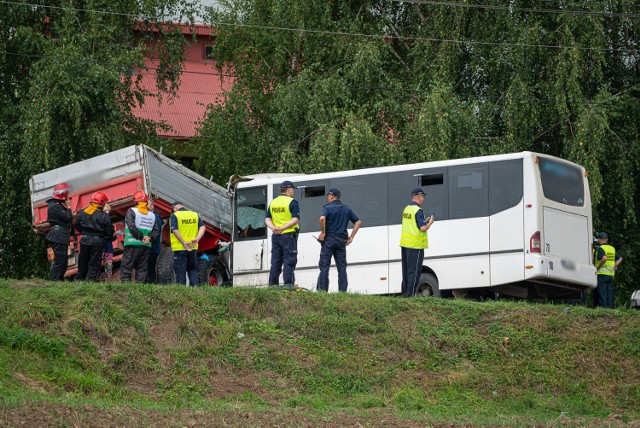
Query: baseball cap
{"points": [[173, 205], [287, 185], [602, 235], [417, 191], [335, 192]]}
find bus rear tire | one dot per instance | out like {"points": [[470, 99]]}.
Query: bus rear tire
{"points": [[428, 286]]}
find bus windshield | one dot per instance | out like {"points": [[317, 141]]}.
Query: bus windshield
{"points": [[562, 182]]}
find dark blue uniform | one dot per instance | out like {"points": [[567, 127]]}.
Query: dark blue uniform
{"points": [[185, 263], [337, 217], [284, 251], [412, 260]]}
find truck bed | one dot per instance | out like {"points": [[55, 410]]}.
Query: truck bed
{"points": [[121, 173]]}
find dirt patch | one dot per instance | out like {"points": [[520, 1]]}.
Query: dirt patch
{"points": [[33, 384], [165, 336]]}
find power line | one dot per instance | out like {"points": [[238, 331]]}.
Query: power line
{"points": [[523, 9], [365, 35]]}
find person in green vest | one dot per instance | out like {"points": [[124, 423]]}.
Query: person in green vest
{"points": [[140, 230], [187, 229], [413, 241], [282, 218], [607, 262]]}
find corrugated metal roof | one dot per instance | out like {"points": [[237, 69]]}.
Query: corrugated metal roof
{"points": [[200, 85]]}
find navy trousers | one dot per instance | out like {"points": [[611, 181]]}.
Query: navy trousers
{"points": [[186, 263], [333, 246], [605, 291], [284, 257], [411, 270]]}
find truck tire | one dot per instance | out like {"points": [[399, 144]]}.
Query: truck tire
{"points": [[164, 268], [209, 272]]}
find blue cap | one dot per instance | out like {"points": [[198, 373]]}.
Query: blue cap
{"points": [[417, 191], [335, 192], [287, 185], [602, 235]]}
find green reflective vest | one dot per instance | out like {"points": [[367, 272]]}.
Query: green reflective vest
{"points": [[144, 223], [188, 228], [412, 236], [607, 268], [280, 213]]}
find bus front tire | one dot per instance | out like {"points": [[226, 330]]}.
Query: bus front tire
{"points": [[428, 286]]}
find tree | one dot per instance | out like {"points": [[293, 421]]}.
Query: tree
{"points": [[66, 94]]}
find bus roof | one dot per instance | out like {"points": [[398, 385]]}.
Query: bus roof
{"points": [[262, 179]]}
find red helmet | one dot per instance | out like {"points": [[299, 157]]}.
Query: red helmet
{"points": [[140, 196], [99, 198], [61, 191]]}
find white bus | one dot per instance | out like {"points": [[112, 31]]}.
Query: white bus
{"points": [[515, 224]]}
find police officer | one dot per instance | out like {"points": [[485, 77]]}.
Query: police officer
{"points": [[334, 220], [187, 229], [94, 223], [282, 218], [60, 219], [608, 260], [413, 241], [140, 230]]}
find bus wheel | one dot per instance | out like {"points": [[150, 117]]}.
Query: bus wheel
{"points": [[428, 286], [208, 272]]}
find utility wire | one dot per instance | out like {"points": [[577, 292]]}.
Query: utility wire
{"points": [[522, 9], [365, 35]]}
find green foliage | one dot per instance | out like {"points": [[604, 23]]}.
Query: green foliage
{"points": [[66, 94], [353, 84]]}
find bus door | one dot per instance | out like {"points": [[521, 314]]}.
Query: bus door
{"points": [[250, 236]]}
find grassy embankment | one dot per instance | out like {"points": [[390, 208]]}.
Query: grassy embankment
{"points": [[152, 355]]}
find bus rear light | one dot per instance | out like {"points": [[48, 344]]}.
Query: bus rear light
{"points": [[529, 205], [534, 243], [586, 174], [536, 160]]}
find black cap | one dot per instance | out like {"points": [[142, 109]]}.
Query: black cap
{"points": [[175, 203], [417, 191], [335, 192], [287, 185]]}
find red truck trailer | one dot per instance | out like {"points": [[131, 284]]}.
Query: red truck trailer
{"points": [[119, 174]]}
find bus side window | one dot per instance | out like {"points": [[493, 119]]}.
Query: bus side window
{"points": [[505, 185], [311, 195], [468, 191], [366, 195], [251, 207]]}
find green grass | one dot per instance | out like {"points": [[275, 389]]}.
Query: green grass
{"points": [[224, 351]]}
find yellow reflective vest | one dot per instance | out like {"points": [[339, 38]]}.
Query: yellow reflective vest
{"points": [[608, 267], [412, 236], [188, 228], [280, 213]]}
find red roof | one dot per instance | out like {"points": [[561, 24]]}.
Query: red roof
{"points": [[200, 85]]}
